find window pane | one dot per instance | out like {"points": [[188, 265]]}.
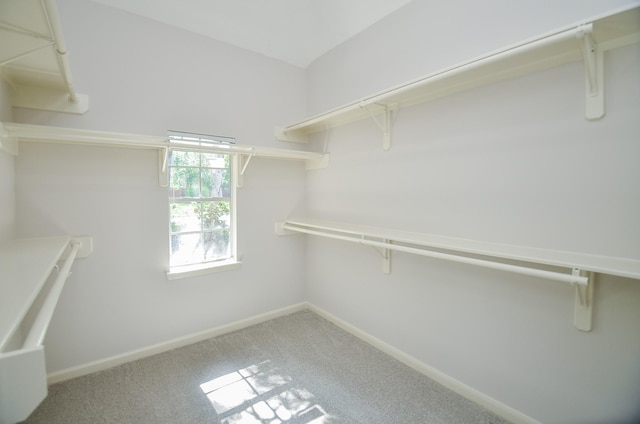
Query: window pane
{"points": [[200, 196], [215, 160], [216, 245], [185, 217], [186, 249], [178, 158], [184, 182], [195, 248], [215, 182], [215, 215]]}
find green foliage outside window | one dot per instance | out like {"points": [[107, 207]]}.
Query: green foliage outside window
{"points": [[200, 191]]}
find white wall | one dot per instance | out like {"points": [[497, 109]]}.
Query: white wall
{"points": [[521, 168], [427, 36], [144, 77], [513, 162], [7, 173]]}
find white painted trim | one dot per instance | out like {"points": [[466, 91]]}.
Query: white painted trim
{"points": [[186, 271], [106, 363], [449, 382]]}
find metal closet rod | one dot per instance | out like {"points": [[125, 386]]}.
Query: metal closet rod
{"points": [[549, 275], [53, 20]]}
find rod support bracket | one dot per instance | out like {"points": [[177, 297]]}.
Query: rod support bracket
{"points": [[583, 303], [241, 166], [386, 124], [594, 73], [386, 258], [163, 166], [384, 252], [8, 143]]}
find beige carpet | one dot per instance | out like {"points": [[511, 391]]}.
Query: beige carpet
{"points": [[298, 369]]}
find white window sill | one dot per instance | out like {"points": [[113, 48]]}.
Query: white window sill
{"points": [[185, 271]]}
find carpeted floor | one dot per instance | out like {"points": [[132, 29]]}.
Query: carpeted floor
{"points": [[298, 369]]}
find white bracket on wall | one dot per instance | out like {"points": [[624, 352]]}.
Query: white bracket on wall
{"points": [[85, 248], [317, 161], [323, 162], [243, 163], [594, 74], [386, 255], [163, 167], [291, 136], [583, 305], [8, 143], [281, 231], [54, 100], [385, 125]]}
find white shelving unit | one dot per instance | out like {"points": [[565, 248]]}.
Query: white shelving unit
{"points": [[586, 41], [581, 267], [11, 134], [28, 297], [34, 59], [26, 265]]}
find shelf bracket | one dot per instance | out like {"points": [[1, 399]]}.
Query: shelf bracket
{"points": [[594, 74], [243, 163], [322, 163], [383, 252], [163, 166], [291, 136], [50, 99], [8, 143], [583, 304], [281, 231], [386, 258], [385, 124]]}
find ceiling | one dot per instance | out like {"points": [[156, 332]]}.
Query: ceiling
{"points": [[294, 31]]}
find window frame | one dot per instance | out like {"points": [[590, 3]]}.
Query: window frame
{"points": [[202, 144]]}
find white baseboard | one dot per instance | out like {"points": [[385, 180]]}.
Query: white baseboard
{"points": [[451, 383], [106, 363]]}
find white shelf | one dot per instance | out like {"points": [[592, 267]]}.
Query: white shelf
{"points": [[27, 304], [40, 133], [11, 134], [34, 59], [622, 267], [25, 265], [584, 41], [581, 267]]}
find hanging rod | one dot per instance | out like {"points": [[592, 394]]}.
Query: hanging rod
{"points": [[28, 301], [583, 267], [53, 20], [617, 266], [481, 70], [41, 323], [565, 45], [549, 275]]}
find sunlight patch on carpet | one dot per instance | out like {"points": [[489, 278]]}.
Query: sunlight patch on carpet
{"points": [[261, 394]]}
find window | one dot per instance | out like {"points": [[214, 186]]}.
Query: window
{"points": [[201, 203]]}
